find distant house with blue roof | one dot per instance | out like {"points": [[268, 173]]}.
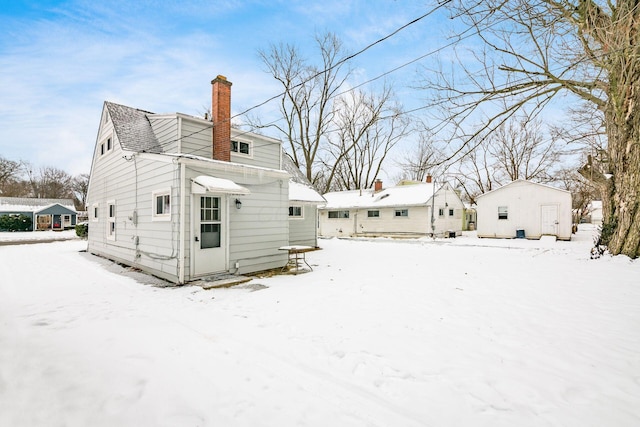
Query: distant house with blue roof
{"points": [[45, 214]]}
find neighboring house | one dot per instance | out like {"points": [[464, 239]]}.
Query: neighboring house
{"points": [[595, 212], [403, 210], [303, 206], [470, 217], [183, 197], [45, 214], [524, 209]]}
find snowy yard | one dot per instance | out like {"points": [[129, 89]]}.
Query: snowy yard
{"points": [[457, 332]]}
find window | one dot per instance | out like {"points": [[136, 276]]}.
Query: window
{"points": [[373, 214], [402, 212], [450, 212], [440, 212], [295, 211], [161, 205], [240, 147], [503, 212], [338, 214], [106, 146], [94, 211], [111, 223]]}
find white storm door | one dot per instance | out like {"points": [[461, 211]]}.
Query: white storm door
{"points": [[209, 246], [549, 216]]}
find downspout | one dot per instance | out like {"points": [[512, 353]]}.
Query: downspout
{"points": [[181, 233]]}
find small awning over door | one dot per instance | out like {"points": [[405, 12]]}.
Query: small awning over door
{"points": [[204, 183]]}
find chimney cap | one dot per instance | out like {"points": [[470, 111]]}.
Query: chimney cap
{"points": [[221, 79]]}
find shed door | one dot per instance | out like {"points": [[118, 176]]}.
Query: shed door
{"points": [[549, 220], [209, 248]]}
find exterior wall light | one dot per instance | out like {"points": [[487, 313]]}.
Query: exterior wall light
{"points": [[238, 204]]}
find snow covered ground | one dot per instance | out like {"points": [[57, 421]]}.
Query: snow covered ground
{"points": [[457, 332]]}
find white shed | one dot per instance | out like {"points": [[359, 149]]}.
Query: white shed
{"points": [[524, 209]]}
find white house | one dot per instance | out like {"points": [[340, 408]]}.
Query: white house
{"points": [[403, 210], [524, 209], [303, 206], [183, 197]]}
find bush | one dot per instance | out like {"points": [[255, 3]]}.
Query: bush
{"points": [[15, 222], [82, 230]]}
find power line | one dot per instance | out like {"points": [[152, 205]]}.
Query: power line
{"points": [[342, 61]]}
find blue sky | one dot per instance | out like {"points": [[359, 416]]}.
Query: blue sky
{"points": [[60, 60]]}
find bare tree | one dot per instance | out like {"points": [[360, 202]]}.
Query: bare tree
{"points": [[79, 187], [537, 50], [583, 192], [368, 126], [10, 173], [423, 159], [306, 104], [50, 183]]}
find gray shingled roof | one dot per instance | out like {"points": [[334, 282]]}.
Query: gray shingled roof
{"points": [[133, 128]]}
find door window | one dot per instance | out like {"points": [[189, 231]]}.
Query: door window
{"points": [[210, 222]]}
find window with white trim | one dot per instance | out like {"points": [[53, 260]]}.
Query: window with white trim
{"points": [[503, 212], [106, 145], [402, 212], [450, 212], [295, 212], [95, 211], [111, 220], [338, 214], [161, 205], [440, 212], [373, 214], [241, 147]]}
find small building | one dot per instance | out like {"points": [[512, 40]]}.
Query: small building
{"points": [[303, 206], [595, 212], [184, 197], [524, 209], [45, 214], [410, 210]]}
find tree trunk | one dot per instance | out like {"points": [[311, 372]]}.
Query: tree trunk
{"points": [[621, 207]]}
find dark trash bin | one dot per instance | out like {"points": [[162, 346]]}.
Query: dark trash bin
{"points": [[520, 234], [451, 234]]}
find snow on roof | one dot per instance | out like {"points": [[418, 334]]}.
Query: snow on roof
{"points": [[300, 189], [30, 204], [403, 195], [220, 185], [304, 193]]}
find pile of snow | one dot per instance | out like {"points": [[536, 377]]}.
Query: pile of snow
{"points": [[452, 332]]}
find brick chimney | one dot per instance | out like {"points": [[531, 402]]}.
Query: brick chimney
{"points": [[428, 179], [377, 185], [221, 117]]}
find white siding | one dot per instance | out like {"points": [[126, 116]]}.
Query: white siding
{"points": [[417, 221], [302, 231], [196, 138], [265, 152], [165, 128], [524, 201]]}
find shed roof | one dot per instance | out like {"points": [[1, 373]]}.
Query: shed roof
{"points": [[523, 181], [402, 195]]}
